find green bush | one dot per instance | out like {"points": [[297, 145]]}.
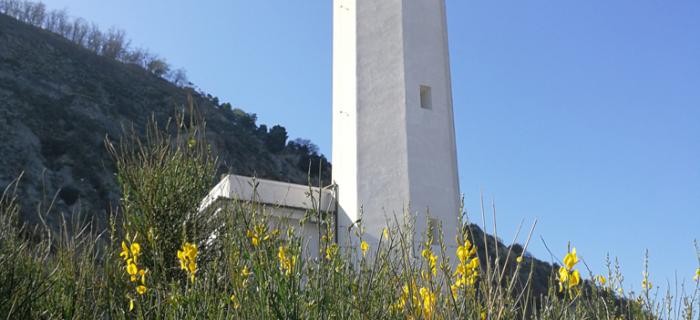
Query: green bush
{"points": [[163, 177], [164, 259]]}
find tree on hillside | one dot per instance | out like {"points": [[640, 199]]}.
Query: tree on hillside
{"points": [[34, 13], [303, 146], [115, 44], [80, 31], [157, 66], [94, 39], [308, 157], [63, 26], [57, 22], [10, 7], [245, 120], [4, 6], [226, 106], [276, 139], [178, 77], [51, 21], [136, 56], [112, 44], [262, 131]]}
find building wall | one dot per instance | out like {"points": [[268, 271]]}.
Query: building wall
{"points": [[344, 153], [284, 204], [388, 152], [432, 156]]}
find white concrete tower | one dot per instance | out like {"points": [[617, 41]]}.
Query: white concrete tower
{"points": [[393, 127]]}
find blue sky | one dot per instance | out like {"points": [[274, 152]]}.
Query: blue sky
{"points": [[580, 114]]}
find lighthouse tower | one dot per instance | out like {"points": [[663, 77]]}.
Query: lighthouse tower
{"points": [[393, 127]]}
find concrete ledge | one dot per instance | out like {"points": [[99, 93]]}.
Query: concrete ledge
{"points": [[269, 192]]}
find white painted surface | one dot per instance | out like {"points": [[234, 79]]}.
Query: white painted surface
{"points": [[389, 154], [271, 192], [285, 203], [344, 151]]}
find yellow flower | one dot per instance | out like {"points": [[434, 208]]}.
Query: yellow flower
{"points": [[192, 252], [467, 271], [575, 279], [426, 253], [258, 234], [253, 238], [125, 251], [563, 277], [483, 315], [697, 275], [234, 301], [142, 273], [428, 302], [135, 249], [286, 263], [571, 259], [364, 246], [473, 264], [602, 280], [568, 277], [462, 253], [331, 251], [465, 251], [385, 233], [519, 259], [245, 272], [401, 304], [188, 258], [141, 289], [130, 254], [282, 253], [646, 284], [181, 257], [432, 260], [455, 289], [132, 269]]}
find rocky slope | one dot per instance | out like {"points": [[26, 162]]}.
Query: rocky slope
{"points": [[58, 101]]}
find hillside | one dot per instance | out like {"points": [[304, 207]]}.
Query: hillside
{"points": [[58, 101]]}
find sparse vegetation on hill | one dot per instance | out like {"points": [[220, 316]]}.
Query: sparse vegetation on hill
{"points": [[112, 44], [59, 100]]}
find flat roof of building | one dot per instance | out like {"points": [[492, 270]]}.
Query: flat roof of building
{"points": [[270, 192]]}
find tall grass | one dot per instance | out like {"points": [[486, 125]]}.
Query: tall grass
{"points": [[163, 259]]}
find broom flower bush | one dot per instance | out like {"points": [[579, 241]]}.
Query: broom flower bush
{"points": [[188, 259], [164, 257], [569, 278]]}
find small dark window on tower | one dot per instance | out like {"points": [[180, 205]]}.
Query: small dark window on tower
{"points": [[426, 99]]}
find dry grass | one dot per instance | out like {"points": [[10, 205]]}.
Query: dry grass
{"points": [[253, 271]]}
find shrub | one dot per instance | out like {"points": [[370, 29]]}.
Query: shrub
{"points": [[163, 258], [162, 180]]}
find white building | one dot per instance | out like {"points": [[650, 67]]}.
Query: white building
{"points": [[286, 203], [394, 146]]}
